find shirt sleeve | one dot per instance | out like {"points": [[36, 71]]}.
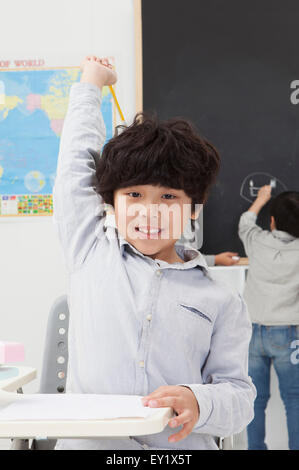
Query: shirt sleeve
{"points": [[248, 230], [227, 395], [210, 260], [78, 210]]}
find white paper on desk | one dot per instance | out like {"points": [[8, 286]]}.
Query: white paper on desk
{"points": [[69, 406]]}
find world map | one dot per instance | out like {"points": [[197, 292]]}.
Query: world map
{"points": [[33, 104]]}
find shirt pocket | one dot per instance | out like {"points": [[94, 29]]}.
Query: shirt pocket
{"points": [[181, 339], [195, 312], [197, 325]]}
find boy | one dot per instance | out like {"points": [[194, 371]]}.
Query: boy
{"points": [[272, 297], [146, 319]]}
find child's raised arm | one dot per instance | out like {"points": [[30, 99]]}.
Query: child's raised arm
{"points": [[97, 71], [264, 195], [248, 230], [77, 206]]}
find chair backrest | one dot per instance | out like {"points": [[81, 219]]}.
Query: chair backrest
{"points": [[55, 359]]}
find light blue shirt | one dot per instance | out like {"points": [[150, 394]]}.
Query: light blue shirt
{"points": [[137, 323]]}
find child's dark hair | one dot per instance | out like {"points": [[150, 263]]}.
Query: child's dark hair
{"points": [[285, 210], [164, 153]]}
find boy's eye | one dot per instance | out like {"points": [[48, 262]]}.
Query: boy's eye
{"points": [[134, 194]]}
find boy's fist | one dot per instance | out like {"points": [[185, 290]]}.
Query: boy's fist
{"points": [[264, 194], [97, 71], [183, 401], [227, 258]]}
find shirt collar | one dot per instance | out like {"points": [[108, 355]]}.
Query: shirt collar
{"points": [[191, 257]]}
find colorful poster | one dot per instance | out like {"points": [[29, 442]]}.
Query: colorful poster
{"points": [[33, 104]]}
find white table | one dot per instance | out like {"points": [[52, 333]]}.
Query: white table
{"points": [[233, 276], [12, 378], [76, 428]]}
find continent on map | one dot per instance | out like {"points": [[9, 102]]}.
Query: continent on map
{"points": [[9, 103]]}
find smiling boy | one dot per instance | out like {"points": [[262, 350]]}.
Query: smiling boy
{"points": [[145, 316]]}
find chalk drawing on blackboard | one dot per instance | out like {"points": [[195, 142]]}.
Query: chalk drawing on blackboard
{"points": [[253, 182]]}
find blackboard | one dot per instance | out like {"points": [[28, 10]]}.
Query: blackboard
{"points": [[231, 67]]}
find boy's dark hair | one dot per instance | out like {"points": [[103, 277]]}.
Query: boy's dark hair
{"points": [[168, 153], [285, 210]]}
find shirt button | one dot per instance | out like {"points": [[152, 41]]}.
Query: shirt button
{"points": [[149, 317], [158, 272], [141, 363]]}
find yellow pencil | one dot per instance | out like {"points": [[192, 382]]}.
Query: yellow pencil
{"points": [[116, 102]]}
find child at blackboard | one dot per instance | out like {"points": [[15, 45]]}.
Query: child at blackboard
{"points": [[145, 316], [272, 297]]}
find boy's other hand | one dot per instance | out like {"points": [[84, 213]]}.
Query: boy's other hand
{"points": [[97, 71], [264, 194], [183, 402], [227, 258]]}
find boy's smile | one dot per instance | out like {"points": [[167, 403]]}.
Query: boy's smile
{"points": [[148, 232], [152, 218]]}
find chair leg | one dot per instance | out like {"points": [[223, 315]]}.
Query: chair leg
{"points": [[19, 444]]}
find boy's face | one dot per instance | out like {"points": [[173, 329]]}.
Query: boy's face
{"points": [[152, 218]]}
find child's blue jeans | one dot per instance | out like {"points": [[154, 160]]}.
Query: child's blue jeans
{"points": [[280, 345]]}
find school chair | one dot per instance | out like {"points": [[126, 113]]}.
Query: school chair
{"points": [[55, 359], [54, 370]]}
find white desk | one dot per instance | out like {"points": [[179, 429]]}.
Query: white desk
{"points": [[233, 276], [12, 378], [76, 428]]}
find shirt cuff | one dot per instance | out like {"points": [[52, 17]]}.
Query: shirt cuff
{"points": [[210, 259], [204, 401]]}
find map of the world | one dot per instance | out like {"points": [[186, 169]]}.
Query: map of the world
{"points": [[33, 104]]}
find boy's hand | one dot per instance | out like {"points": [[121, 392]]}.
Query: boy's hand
{"points": [[97, 71], [184, 403], [264, 194], [227, 258]]}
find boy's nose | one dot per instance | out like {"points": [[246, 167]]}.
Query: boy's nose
{"points": [[149, 210]]}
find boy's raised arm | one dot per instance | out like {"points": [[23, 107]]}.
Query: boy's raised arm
{"points": [[77, 206], [248, 229]]}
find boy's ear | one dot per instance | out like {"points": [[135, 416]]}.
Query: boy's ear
{"points": [[272, 223]]}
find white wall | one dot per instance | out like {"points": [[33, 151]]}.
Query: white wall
{"points": [[32, 273]]}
